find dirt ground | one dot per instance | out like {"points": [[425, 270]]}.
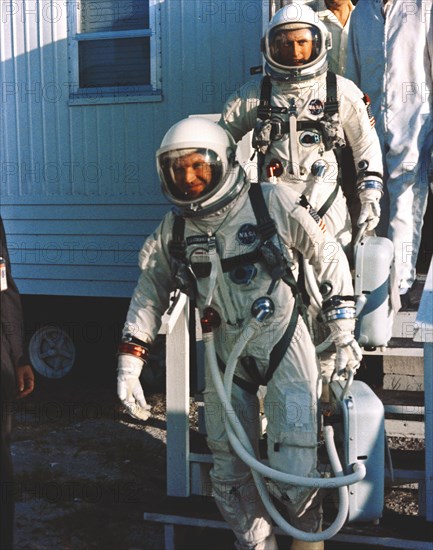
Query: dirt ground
{"points": [[86, 472]]}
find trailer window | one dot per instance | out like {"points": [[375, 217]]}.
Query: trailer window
{"points": [[115, 51]]}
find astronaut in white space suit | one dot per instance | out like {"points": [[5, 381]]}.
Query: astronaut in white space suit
{"points": [[299, 115], [390, 55], [234, 247]]}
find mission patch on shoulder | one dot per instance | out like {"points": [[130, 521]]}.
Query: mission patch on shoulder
{"points": [[367, 102]]}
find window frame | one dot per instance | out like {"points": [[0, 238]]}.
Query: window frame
{"points": [[115, 94]]}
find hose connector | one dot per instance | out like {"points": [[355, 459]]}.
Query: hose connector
{"points": [[262, 308], [318, 168]]}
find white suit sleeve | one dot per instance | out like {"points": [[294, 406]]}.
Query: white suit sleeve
{"points": [[328, 260], [152, 294], [335, 283], [239, 114], [358, 124], [312, 240]]}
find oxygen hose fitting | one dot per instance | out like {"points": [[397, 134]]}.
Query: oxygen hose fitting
{"points": [[262, 308], [318, 168]]}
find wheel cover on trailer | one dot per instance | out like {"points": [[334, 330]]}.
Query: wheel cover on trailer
{"points": [[52, 352]]}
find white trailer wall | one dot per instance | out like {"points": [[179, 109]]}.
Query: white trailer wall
{"points": [[79, 191]]}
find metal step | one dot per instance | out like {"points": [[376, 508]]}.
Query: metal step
{"points": [[402, 402], [195, 523]]}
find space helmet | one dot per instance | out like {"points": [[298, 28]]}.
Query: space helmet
{"points": [[295, 44], [197, 166]]}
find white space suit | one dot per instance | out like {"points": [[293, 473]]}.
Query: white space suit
{"points": [[390, 56], [306, 125], [219, 227], [302, 91]]}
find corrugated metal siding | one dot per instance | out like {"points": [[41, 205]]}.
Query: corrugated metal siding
{"points": [[78, 248], [79, 190]]}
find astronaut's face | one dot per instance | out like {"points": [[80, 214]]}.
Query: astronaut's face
{"points": [[335, 4], [294, 48], [192, 174]]}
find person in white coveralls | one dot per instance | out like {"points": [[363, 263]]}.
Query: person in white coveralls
{"points": [[390, 56]]}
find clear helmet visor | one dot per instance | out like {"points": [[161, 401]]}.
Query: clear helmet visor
{"points": [[294, 45], [190, 175]]}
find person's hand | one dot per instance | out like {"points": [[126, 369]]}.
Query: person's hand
{"points": [[129, 388], [349, 353], [25, 380], [370, 208]]}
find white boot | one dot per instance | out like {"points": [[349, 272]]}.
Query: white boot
{"points": [[270, 543], [302, 545]]}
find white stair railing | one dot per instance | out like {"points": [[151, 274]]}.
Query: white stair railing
{"points": [[423, 332], [175, 325]]}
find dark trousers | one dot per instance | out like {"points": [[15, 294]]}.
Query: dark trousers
{"points": [[7, 498]]}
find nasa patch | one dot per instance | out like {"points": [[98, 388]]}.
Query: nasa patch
{"points": [[247, 234], [315, 107]]}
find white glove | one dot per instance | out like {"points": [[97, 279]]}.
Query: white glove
{"points": [[349, 353], [129, 388], [370, 208]]}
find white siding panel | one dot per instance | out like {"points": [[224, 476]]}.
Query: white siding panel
{"points": [[9, 155], [67, 287], [81, 211], [114, 274], [83, 227], [59, 246], [86, 174]]}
